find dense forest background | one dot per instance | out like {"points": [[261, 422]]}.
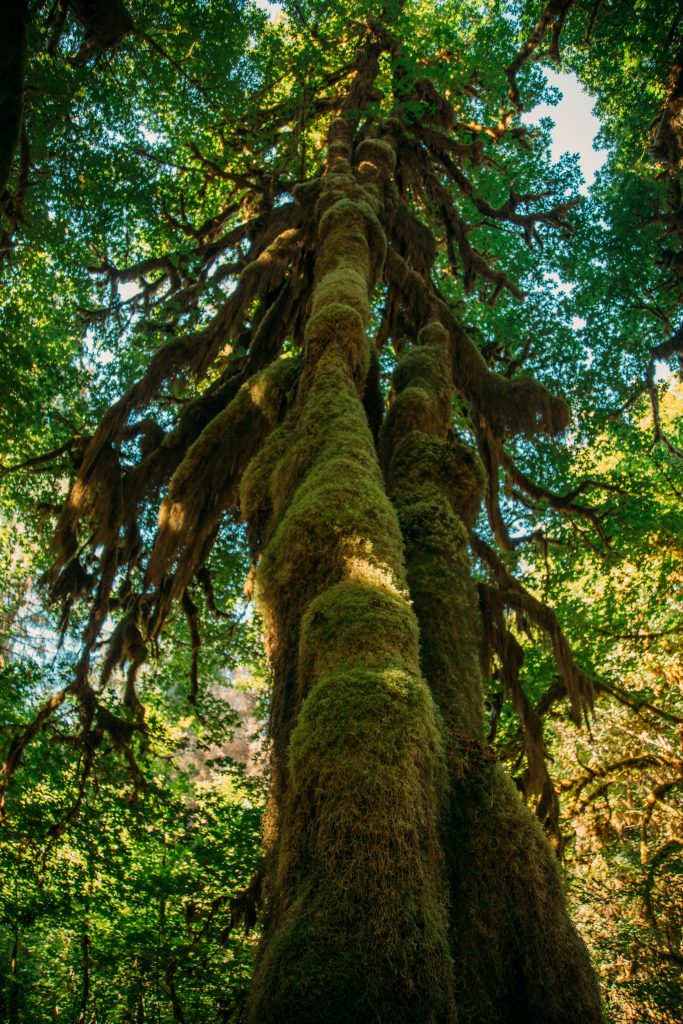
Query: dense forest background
{"points": [[134, 144]]}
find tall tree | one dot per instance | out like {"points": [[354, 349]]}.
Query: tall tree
{"points": [[363, 212]]}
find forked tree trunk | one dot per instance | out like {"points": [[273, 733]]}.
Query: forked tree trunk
{"points": [[360, 926]]}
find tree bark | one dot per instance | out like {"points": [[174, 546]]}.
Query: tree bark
{"points": [[14, 995], [85, 975], [106, 24]]}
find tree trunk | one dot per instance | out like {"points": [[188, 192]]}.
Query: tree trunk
{"points": [[85, 975], [12, 61], [363, 800], [517, 956], [14, 994], [356, 928]]}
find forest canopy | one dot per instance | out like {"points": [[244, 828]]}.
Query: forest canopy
{"points": [[340, 514]]}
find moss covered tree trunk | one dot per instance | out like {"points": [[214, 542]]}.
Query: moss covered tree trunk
{"points": [[356, 927], [360, 925], [517, 957], [405, 881]]}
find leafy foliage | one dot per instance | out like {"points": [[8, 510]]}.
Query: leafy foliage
{"points": [[120, 902]]}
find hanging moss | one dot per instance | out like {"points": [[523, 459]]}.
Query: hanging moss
{"points": [[207, 481], [517, 958], [93, 494], [506, 407]]}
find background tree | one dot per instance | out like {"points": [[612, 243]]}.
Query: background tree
{"points": [[119, 904]]}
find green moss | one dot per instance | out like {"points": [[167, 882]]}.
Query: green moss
{"points": [[436, 487], [323, 971], [208, 479], [332, 423], [422, 462], [254, 410], [424, 395], [256, 488], [349, 212], [342, 326], [363, 907], [415, 412], [343, 284], [377, 152], [450, 628], [351, 248], [429, 523], [518, 957], [355, 623], [426, 368], [325, 533], [354, 230], [340, 185]]}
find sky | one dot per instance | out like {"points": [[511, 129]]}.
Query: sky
{"points": [[273, 10], [575, 124], [574, 131]]}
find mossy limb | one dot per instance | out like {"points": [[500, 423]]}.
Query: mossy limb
{"points": [[343, 326], [204, 485], [346, 223]]}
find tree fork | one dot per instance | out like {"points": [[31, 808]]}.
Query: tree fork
{"points": [[355, 927], [517, 957]]}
